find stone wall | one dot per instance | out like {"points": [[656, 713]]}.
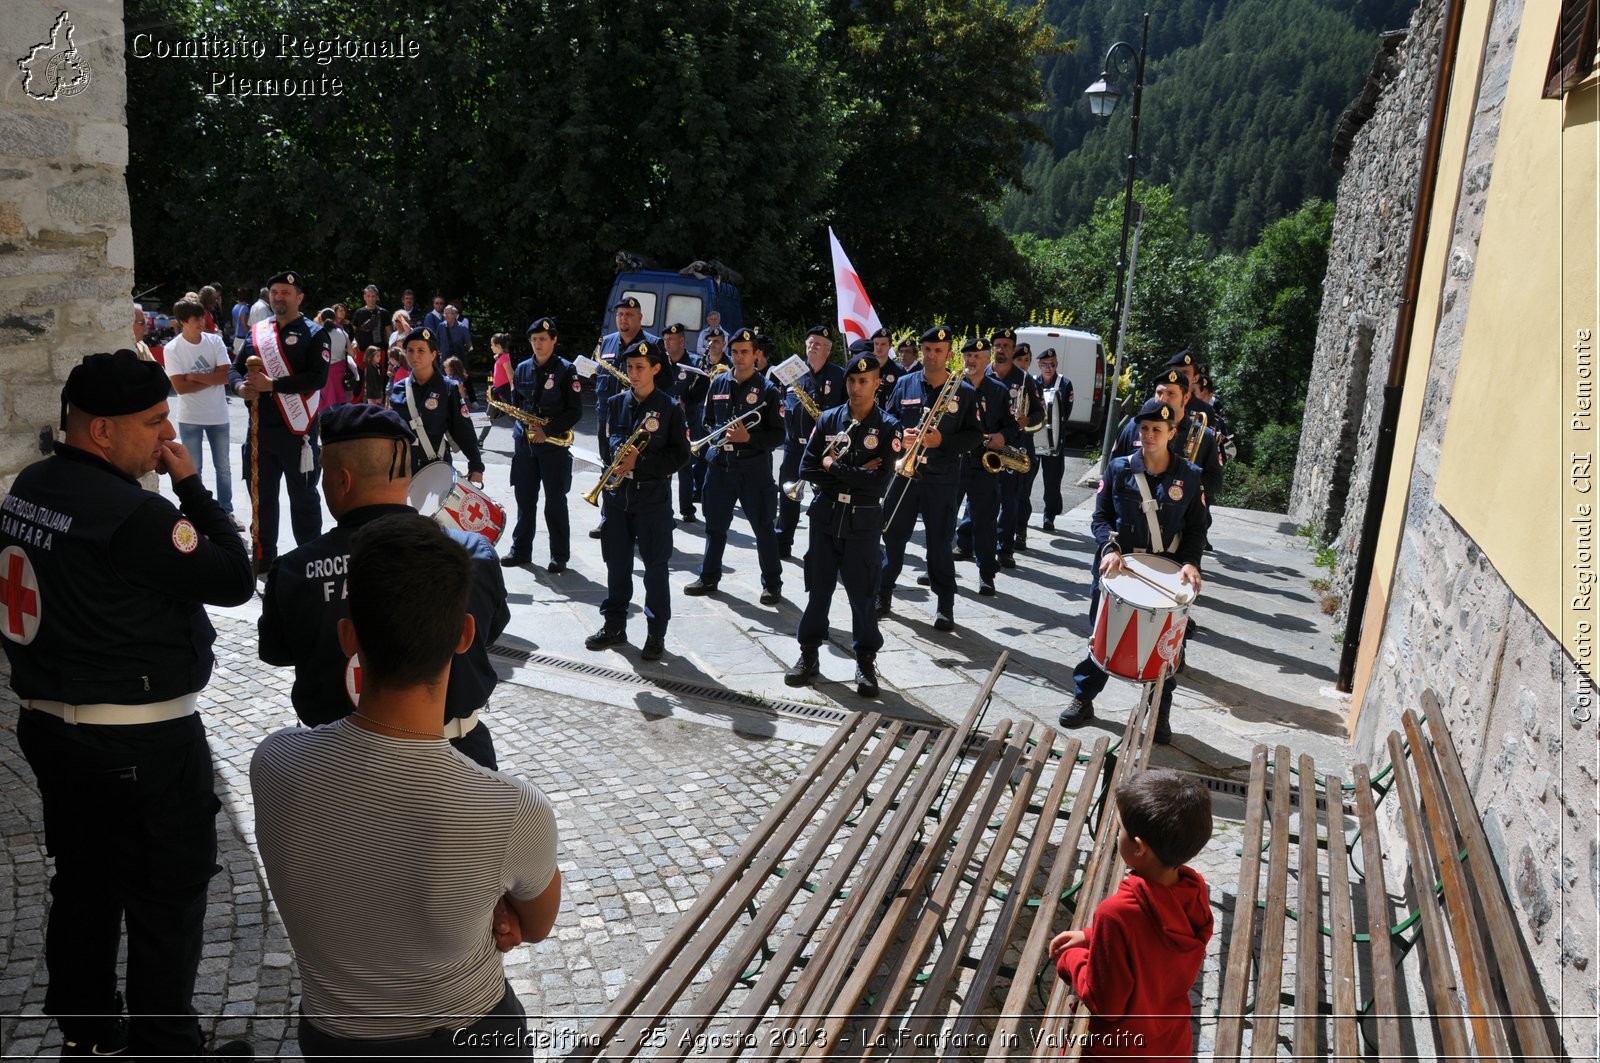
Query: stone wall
{"points": [[66, 246], [1502, 680], [1361, 293]]}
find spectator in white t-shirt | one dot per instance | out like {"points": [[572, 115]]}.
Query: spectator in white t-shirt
{"points": [[402, 869], [197, 365]]}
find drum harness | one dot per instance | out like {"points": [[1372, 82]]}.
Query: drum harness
{"points": [[1151, 507], [432, 453]]}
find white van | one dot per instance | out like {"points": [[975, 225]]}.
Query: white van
{"points": [[1081, 359]]}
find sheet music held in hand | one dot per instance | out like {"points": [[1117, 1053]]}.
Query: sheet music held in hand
{"points": [[789, 370], [586, 366]]}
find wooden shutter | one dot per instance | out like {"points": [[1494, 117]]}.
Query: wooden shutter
{"points": [[1572, 57]]}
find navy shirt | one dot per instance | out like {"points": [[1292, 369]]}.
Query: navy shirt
{"points": [[994, 411], [729, 398], [611, 346], [666, 448], [957, 423], [440, 412], [304, 346], [553, 391], [1207, 457], [305, 599], [849, 497], [825, 385], [1119, 508]]}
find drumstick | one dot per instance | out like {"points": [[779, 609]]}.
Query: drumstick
{"points": [[1182, 597]]}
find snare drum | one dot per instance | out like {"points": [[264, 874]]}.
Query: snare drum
{"points": [[436, 491], [1139, 625]]}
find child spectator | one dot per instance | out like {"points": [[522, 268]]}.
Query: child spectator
{"points": [[500, 381], [1136, 963], [377, 385], [455, 370]]}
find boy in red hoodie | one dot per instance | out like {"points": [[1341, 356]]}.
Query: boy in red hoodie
{"points": [[1135, 964]]}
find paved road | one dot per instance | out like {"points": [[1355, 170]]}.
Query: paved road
{"points": [[658, 770]]}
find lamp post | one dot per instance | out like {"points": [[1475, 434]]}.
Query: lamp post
{"points": [[1103, 96]]}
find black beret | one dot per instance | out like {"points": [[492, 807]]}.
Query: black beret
{"points": [[1023, 351], [714, 330], [765, 344], [111, 385], [1171, 376], [938, 334], [744, 335], [881, 334], [424, 334], [861, 347], [976, 345], [645, 349], [819, 330], [288, 276], [1005, 333], [1204, 383], [1156, 410], [630, 303], [1048, 352], [543, 324], [1181, 360], [674, 329], [864, 364], [350, 421]]}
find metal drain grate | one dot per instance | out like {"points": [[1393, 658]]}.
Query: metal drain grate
{"points": [[819, 713]]}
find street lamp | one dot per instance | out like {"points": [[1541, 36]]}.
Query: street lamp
{"points": [[1103, 96]]}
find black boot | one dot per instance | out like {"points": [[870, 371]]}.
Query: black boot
{"points": [[805, 670], [1163, 735], [866, 677]]}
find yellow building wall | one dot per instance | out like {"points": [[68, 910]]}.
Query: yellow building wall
{"points": [[1452, 155], [1515, 469]]}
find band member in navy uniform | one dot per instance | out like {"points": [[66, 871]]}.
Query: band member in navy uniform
{"points": [[638, 513], [824, 383], [850, 459], [295, 352], [1013, 522], [1171, 387], [953, 431], [685, 381], [1185, 363], [1122, 524], [902, 362], [741, 469], [714, 361], [102, 584], [1030, 427], [368, 471], [1054, 468], [628, 315], [977, 533], [546, 385], [888, 369], [431, 404]]}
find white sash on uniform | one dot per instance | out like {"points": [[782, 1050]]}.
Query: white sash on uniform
{"points": [[429, 451], [298, 410], [1151, 507]]}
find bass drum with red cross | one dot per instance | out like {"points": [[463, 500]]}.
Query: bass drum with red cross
{"points": [[436, 491]]}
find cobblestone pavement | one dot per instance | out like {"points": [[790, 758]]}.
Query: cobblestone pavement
{"points": [[649, 807]]}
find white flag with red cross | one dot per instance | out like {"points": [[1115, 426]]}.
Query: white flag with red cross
{"points": [[857, 318]]}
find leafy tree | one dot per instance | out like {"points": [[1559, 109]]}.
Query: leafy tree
{"points": [[1262, 333], [1172, 281]]}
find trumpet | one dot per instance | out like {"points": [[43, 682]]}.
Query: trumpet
{"points": [[750, 418], [812, 409], [611, 479], [838, 446], [1196, 436], [533, 420], [1013, 458]]}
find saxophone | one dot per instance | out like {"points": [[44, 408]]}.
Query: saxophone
{"points": [[812, 409], [532, 420]]}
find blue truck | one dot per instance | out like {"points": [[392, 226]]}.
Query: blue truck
{"points": [[670, 296]]}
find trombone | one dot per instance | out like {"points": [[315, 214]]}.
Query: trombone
{"points": [[838, 446], [611, 479], [750, 418], [533, 420]]}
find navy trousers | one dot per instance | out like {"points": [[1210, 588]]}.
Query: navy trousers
{"points": [[789, 512], [646, 526], [547, 468], [280, 461], [977, 532], [839, 553], [748, 482], [935, 502]]}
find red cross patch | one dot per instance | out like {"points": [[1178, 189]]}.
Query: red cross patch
{"points": [[352, 680], [19, 596]]}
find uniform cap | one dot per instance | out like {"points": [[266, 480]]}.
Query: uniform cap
{"points": [[714, 330], [630, 303], [976, 345], [1156, 410], [645, 349], [111, 385], [1023, 351], [674, 329], [546, 325], [287, 277], [744, 335], [1181, 360], [1171, 376], [937, 334], [881, 334], [1204, 383], [423, 333], [819, 330], [350, 421], [861, 347], [864, 364], [1005, 333], [1048, 352]]}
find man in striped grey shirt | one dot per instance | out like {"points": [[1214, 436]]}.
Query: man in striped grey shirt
{"points": [[401, 867]]}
